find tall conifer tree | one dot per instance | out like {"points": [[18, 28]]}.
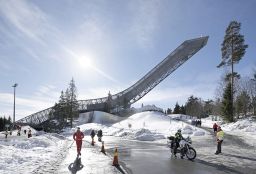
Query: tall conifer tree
{"points": [[233, 49]]}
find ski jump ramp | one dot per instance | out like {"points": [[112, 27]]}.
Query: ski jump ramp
{"points": [[123, 100]]}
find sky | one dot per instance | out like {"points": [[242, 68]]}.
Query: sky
{"points": [[109, 45]]}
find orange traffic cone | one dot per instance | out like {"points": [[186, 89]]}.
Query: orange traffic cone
{"points": [[102, 148], [115, 161], [92, 142]]}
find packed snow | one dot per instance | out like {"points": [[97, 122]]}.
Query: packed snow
{"points": [[47, 152], [145, 126]]}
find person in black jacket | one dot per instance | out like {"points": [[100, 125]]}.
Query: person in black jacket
{"points": [[99, 134]]}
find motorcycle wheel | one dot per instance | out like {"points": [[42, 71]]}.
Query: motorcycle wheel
{"points": [[191, 153]]}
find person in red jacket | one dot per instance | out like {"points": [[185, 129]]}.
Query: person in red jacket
{"points": [[215, 128], [78, 137]]}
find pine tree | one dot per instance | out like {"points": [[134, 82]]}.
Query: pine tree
{"points": [[67, 107], [233, 49], [243, 103], [182, 110], [72, 101], [226, 108], [176, 109], [169, 111]]}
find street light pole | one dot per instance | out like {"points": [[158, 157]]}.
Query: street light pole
{"points": [[14, 86]]}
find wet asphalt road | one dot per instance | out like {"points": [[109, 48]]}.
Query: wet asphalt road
{"points": [[151, 158]]}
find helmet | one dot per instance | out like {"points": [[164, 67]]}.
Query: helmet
{"points": [[78, 128], [179, 130]]}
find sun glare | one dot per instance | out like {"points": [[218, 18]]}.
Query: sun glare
{"points": [[85, 62]]}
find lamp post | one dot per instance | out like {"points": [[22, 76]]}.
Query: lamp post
{"points": [[14, 86]]}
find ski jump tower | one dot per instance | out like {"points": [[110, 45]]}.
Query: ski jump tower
{"points": [[124, 99]]}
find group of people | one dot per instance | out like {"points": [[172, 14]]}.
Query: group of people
{"points": [[99, 135], [79, 135], [6, 133], [197, 122]]}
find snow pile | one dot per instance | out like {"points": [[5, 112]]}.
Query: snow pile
{"points": [[26, 155], [147, 135], [244, 125], [145, 126]]}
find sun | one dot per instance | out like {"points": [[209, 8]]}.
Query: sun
{"points": [[85, 62]]}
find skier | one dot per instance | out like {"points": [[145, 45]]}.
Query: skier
{"points": [[214, 128], [99, 134], [220, 136], [92, 135], [178, 137], [78, 136], [25, 131], [29, 133]]}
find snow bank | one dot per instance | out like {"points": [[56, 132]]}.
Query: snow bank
{"points": [[25, 155], [245, 128]]}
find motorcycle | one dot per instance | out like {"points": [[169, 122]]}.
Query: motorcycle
{"points": [[185, 146]]}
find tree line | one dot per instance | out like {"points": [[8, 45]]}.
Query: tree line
{"points": [[4, 121]]}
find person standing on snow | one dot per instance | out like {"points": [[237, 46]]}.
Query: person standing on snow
{"points": [[220, 137], [29, 133], [99, 134], [78, 137], [92, 135], [18, 133], [214, 128], [6, 134]]}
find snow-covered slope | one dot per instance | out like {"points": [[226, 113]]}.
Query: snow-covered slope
{"points": [[145, 126]]}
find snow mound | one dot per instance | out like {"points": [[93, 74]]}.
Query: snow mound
{"points": [[147, 135], [187, 130], [36, 142]]}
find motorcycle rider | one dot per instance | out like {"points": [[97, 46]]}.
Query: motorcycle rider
{"points": [[178, 137]]}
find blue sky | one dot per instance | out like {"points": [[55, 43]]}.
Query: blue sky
{"points": [[109, 45]]}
